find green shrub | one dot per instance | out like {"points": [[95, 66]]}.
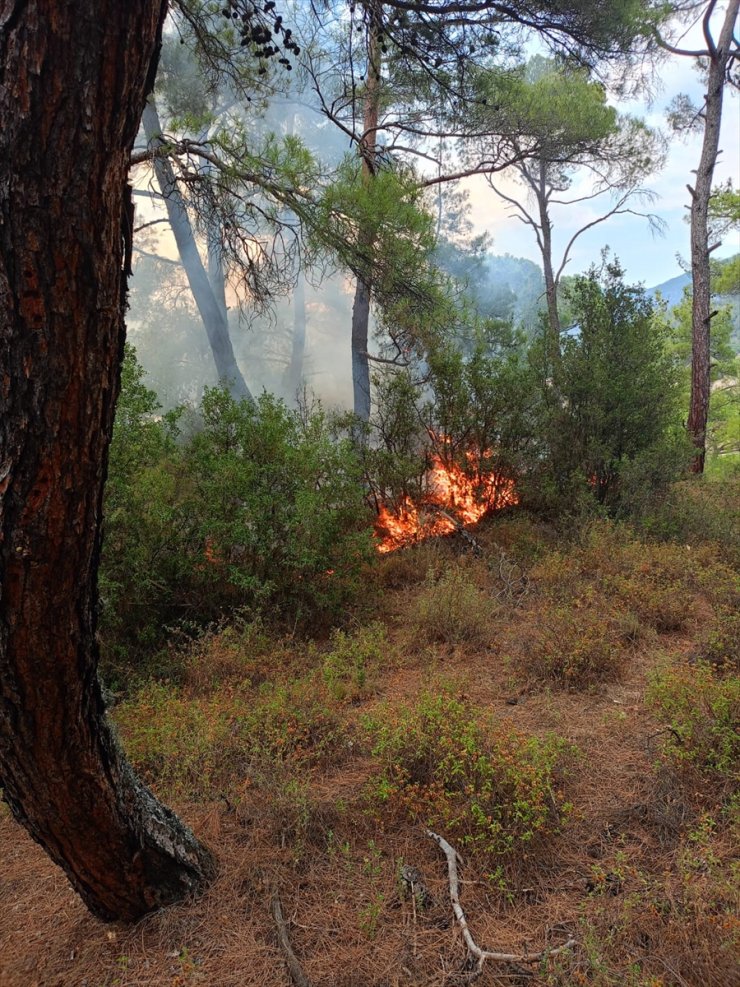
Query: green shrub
{"points": [[261, 508], [701, 710], [720, 646], [701, 510], [280, 504], [201, 746], [452, 609], [349, 668], [482, 784], [570, 648], [610, 404]]}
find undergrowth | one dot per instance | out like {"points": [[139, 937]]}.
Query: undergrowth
{"points": [[701, 710], [482, 783]]}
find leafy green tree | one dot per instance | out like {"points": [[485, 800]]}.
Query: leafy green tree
{"points": [[561, 131], [613, 397]]}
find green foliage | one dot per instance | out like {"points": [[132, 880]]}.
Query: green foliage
{"points": [[613, 397], [702, 710], [697, 510], [721, 645], [396, 461], [141, 559], [201, 746], [480, 415], [475, 414], [724, 210], [382, 232], [482, 784], [279, 502], [452, 609], [262, 507], [352, 664]]}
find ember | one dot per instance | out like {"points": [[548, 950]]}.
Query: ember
{"points": [[452, 499]]}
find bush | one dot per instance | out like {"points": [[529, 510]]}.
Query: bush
{"points": [[483, 784], [201, 746], [452, 609], [702, 711], [261, 508], [720, 647], [611, 401], [700, 510], [348, 670], [571, 648], [279, 503]]}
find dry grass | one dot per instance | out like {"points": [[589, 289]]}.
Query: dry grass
{"points": [[641, 874]]}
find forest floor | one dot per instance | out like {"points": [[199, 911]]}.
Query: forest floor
{"points": [[314, 798]]}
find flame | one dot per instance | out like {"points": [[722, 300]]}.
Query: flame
{"points": [[452, 498]]}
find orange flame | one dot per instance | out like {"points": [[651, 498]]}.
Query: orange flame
{"points": [[452, 499]]}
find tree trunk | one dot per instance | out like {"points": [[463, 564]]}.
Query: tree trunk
{"points": [[212, 310], [363, 289], [360, 342], [700, 248], [551, 288], [75, 77], [294, 373]]}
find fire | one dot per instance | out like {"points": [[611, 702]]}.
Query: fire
{"points": [[452, 499]]}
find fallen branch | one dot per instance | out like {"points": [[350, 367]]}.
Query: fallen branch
{"points": [[473, 948], [296, 971]]}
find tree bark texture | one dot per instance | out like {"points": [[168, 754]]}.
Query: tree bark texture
{"points": [[212, 310], [363, 289], [74, 78], [719, 56]]}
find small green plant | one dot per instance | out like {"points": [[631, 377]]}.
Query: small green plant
{"points": [[484, 784], [701, 710], [349, 667], [452, 609], [370, 916]]}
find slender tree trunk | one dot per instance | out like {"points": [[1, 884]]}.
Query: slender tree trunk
{"points": [[212, 309], [363, 289], [294, 374], [551, 288], [719, 56], [74, 81]]}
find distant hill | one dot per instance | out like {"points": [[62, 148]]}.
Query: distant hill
{"points": [[671, 291]]}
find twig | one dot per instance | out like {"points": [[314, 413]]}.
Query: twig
{"points": [[473, 948], [296, 971]]}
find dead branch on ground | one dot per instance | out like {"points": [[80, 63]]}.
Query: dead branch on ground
{"points": [[473, 948], [296, 971]]}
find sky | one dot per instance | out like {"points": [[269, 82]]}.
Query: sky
{"points": [[645, 258]]}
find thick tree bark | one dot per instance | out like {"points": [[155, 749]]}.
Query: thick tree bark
{"points": [[73, 84], [363, 289], [718, 58], [212, 310]]}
